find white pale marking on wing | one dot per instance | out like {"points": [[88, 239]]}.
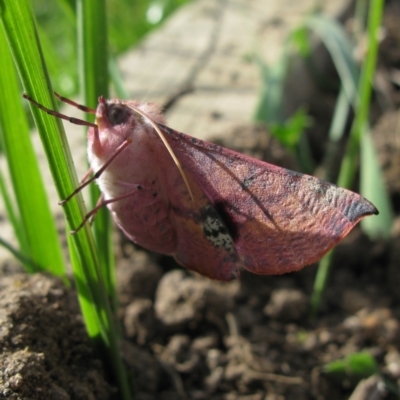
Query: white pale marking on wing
{"points": [[216, 233]]}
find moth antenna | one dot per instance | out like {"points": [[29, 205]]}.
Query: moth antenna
{"points": [[73, 120], [169, 148], [76, 105]]}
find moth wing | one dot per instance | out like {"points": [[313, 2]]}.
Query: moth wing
{"points": [[280, 220], [204, 243]]}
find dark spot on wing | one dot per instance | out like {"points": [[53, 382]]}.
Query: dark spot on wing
{"points": [[233, 229], [215, 230], [210, 212]]}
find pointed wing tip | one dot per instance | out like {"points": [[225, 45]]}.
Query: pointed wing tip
{"points": [[360, 209], [367, 208], [375, 211]]}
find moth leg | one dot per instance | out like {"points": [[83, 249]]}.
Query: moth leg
{"points": [[97, 208], [96, 175], [86, 176], [101, 203]]}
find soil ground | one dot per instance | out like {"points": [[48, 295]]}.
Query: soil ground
{"points": [[187, 337]]}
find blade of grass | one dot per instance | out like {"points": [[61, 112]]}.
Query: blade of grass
{"points": [[56, 27], [26, 261], [340, 49], [63, 82], [39, 241], [320, 282], [117, 78], [269, 108], [336, 132], [93, 66], [12, 214], [339, 120], [372, 187], [370, 171], [350, 161], [19, 26], [371, 177]]}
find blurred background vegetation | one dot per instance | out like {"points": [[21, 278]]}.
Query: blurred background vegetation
{"points": [[128, 21]]}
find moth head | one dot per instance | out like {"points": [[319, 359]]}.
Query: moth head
{"points": [[116, 113], [117, 121], [112, 115]]}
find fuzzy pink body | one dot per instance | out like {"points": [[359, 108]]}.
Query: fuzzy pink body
{"points": [[144, 216], [244, 212]]}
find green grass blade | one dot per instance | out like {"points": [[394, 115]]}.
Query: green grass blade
{"points": [[337, 130], [63, 83], [373, 188], [12, 214], [320, 282], [29, 264], [350, 161], [340, 116], [93, 65], [56, 27], [93, 62], [40, 242], [340, 49], [68, 7], [269, 108], [93, 49], [117, 78], [93, 298], [19, 26]]}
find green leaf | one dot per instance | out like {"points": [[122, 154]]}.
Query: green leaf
{"points": [[340, 49], [357, 365], [93, 62], [269, 108], [289, 132], [373, 188], [358, 94], [36, 228]]}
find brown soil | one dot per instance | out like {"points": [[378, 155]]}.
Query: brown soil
{"points": [[187, 337]]}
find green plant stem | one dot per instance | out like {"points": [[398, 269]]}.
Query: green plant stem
{"points": [[350, 161], [93, 71], [93, 66], [33, 222]]}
